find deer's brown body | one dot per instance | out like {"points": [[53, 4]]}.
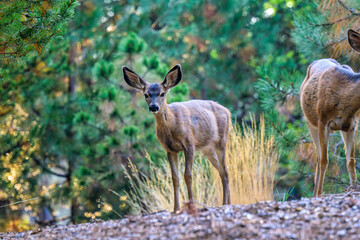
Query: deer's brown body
{"points": [[199, 123], [187, 127], [330, 100]]}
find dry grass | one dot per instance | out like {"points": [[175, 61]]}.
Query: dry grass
{"points": [[154, 192], [252, 161]]}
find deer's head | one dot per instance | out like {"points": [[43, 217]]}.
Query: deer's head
{"points": [[155, 93], [354, 39]]}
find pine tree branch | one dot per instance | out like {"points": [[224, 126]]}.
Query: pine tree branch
{"points": [[284, 93], [12, 148], [52, 221], [305, 139], [46, 169], [352, 13], [339, 40], [98, 128], [9, 53], [337, 145], [351, 10], [114, 3], [275, 87], [332, 23], [156, 23], [338, 180], [130, 90], [313, 41], [280, 133], [146, 72], [18, 202], [35, 20]]}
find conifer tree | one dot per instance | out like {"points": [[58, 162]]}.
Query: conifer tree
{"points": [[321, 30], [29, 26]]}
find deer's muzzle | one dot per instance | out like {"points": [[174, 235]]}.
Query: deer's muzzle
{"points": [[153, 108]]}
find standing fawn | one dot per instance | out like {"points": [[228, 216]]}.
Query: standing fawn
{"points": [[330, 100], [186, 126]]}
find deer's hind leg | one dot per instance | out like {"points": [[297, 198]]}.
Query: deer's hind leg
{"points": [[324, 161], [314, 133], [213, 157], [224, 174], [221, 148], [349, 139]]}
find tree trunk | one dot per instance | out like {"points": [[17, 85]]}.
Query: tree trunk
{"points": [[69, 133]]}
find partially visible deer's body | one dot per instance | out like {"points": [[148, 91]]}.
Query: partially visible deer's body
{"points": [[330, 99], [187, 126], [330, 93]]}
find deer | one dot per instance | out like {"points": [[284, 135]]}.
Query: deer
{"points": [[195, 125], [330, 100]]}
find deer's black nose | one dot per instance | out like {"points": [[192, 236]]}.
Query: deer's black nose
{"points": [[153, 108]]}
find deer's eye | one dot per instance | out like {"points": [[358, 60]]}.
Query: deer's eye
{"points": [[162, 95], [146, 96]]}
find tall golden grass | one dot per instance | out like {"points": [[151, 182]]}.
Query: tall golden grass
{"points": [[154, 192], [252, 161]]}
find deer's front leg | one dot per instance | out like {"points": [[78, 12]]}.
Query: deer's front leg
{"points": [[189, 159], [173, 160]]}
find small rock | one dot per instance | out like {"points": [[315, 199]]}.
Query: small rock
{"points": [[341, 232]]}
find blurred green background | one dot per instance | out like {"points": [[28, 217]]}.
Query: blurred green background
{"points": [[69, 123]]}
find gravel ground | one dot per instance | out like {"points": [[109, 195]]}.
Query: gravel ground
{"points": [[328, 217]]}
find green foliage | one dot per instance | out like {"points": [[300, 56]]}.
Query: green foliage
{"points": [[131, 130], [312, 47], [29, 26], [152, 62], [103, 69], [320, 29], [81, 117], [278, 90], [132, 44], [179, 93], [67, 115], [162, 69]]}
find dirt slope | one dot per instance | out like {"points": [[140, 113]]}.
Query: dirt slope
{"points": [[328, 217]]}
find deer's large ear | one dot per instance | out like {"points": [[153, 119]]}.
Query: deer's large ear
{"points": [[173, 77], [133, 80], [354, 39]]}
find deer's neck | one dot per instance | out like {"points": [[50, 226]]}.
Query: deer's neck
{"points": [[164, 117], [356, 94]]}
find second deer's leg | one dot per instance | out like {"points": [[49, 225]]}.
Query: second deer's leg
{"points": [[189, 159], [323, 139], [173, 160], [349, 139], [314, 133]]}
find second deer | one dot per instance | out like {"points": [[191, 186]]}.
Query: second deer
{"points": [[330, 100], [186, 127]]}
